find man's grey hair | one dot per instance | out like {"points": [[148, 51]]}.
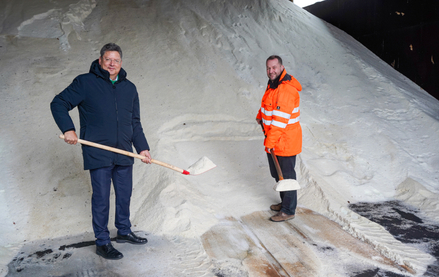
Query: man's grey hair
{"points": [[111, 47], [275, 57]]}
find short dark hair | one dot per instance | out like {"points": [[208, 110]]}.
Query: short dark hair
{"points": [[275, 57], [111, 47]]}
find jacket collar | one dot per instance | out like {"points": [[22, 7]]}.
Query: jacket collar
{"points": [[282, 77]]}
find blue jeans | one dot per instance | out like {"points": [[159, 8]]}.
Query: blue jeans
{"points": [[122, 177], [288, 198]]}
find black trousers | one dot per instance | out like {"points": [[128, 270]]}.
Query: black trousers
{"points": [[101, 178]]}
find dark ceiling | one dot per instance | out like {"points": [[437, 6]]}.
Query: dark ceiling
{"points": [[403, 33]]}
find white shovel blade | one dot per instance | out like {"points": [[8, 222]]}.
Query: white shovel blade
{"points": [[286, 185], [201, 166]]}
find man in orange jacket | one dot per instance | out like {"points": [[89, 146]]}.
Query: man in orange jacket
{"points": [[279, 115]]}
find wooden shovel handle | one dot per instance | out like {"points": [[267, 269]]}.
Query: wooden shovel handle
{"points": [[276, 164], [127, 153]]}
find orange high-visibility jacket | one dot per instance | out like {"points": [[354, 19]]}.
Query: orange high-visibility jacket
{"points": [[280, 114]]}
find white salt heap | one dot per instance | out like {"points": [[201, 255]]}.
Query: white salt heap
{"points": [[369, 133]]}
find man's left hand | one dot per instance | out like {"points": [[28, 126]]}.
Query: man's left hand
{"points": [[147, 155]]}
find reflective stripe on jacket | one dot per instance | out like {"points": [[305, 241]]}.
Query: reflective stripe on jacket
{"points": [[280, 115]]}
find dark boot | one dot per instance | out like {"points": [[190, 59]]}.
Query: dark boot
{"points": [[107, 251], [131, 238], [281, 216], [276, 207]]}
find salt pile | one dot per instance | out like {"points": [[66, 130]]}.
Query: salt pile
{"points": [[200, 73]]}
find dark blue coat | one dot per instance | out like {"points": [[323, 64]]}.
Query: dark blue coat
{"points": [[109, 114]]}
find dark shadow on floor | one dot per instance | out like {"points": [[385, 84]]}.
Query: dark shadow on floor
{"points": [[407, 225]]}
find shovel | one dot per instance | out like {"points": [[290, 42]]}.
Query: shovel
{"points": [[283, 184], [201, 166]]}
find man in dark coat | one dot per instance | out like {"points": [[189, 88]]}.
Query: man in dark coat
{"points": [[109, 113]]}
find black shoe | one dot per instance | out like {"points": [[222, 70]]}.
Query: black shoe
{"points": [[131, 238], [107, 251]]}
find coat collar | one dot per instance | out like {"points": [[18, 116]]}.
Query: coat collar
{"points": [[282, 77]]}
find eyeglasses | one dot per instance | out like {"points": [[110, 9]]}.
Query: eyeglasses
{"points": [[107, 60]]}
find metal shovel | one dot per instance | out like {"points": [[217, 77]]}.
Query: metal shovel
{"points": [[201, 166], [283, 184]]}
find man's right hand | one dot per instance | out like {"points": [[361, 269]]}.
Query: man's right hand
{"points": [[70, 137]]}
